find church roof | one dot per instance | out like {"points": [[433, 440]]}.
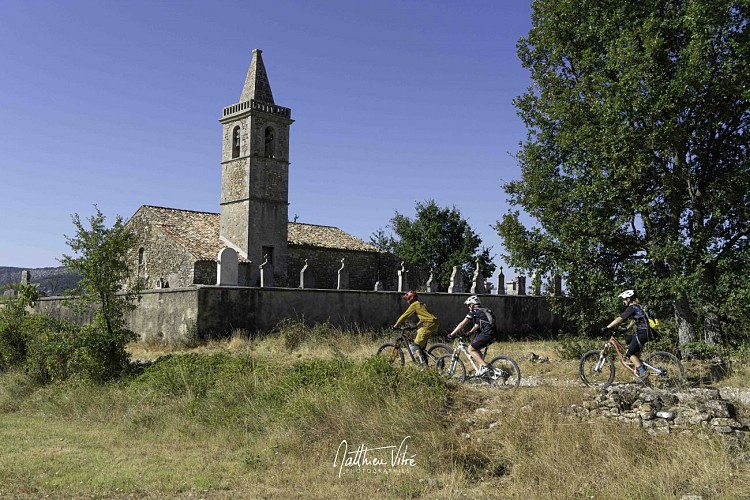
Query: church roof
{"points": [[198, 233]]}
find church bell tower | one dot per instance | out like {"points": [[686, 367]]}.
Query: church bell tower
{"points": [[255, 175]]}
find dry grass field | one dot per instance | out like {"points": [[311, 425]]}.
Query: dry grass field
{"points": [[310, 413]]}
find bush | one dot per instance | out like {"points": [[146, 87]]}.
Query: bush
{"points": [[14, 327], [13, 339], [58, 350]]}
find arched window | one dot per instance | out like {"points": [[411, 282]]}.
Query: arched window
{"points": [[236, 142], [270, 143]]}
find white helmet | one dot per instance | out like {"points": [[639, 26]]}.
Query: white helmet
{"points": [[627, 294], [473, 300]]}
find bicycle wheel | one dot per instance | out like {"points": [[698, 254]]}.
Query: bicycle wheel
{"points": [[505, 373], [451, 368], [596, 370], [391, 353], [437, 350], [667, 372]]}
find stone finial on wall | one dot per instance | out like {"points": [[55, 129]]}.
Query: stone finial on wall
{"points": [[266, 273], [25, 277], [227, 267], [457, 281], [305, 277], [477, 281], [501, 282], [521, 284], [557, 285], [403, 278], [343, 277], [432, 285], [536, 284]]}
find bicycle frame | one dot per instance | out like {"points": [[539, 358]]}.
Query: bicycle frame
{"points": [[597, 367], [405, 338], [615, 344], [460, 348]]}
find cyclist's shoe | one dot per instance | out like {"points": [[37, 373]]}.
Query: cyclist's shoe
{"points": [[642, 373], [483, 370]]}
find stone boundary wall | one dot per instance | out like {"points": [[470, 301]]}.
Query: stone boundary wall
{"points": [[217, 311]]}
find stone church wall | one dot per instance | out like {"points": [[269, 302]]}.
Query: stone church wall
{"points": [[161, 259]]}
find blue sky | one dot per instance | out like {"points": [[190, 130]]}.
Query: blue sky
{"points": [[117, 104]]}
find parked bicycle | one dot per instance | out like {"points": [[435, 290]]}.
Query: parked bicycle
{"points": [[393, 351], [597, 367], [503, 373]]}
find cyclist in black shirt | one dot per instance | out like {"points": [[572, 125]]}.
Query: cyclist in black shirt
{"points": [[635, 342], [485, 334]]}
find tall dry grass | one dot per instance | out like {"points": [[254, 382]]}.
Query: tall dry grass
{"points": [[264, 417]]}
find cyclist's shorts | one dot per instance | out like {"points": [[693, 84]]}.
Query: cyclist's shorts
{"points": [[482, 340], [635, 346], [425, 332]]}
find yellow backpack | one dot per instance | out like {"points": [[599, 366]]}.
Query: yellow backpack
{"points": [[653, 323]]}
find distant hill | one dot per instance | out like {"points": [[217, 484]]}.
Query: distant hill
{"points": [[51, 280]]}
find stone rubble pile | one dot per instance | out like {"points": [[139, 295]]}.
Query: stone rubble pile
{"points": [[658, 411]]}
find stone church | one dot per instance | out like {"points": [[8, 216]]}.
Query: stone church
{"points": [[181, 248]]}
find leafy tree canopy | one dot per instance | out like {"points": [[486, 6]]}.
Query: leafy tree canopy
{"points": [[436, 239], [635, 167]]}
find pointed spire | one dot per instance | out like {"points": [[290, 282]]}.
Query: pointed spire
{"points": [[256, 84]]}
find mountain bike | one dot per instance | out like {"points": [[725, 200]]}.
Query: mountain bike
{"points": [[597, 367], [503, 371], [393, 351]]}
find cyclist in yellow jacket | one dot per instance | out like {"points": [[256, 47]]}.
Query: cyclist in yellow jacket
{"points": [[428, 323]]}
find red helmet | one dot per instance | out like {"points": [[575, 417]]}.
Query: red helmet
{"points": [[410, 295]]}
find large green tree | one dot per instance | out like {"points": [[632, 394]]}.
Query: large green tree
{"points": [[635, 168], [436, 240]]}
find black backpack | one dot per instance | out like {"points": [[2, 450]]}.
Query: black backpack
{"points": [[490, 318]]}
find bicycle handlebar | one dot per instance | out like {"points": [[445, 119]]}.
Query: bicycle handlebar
{"points": [[405, 328]]}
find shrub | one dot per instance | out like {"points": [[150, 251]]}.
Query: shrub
{"points": [[12, 336], [58, 350], [51, 344], [14, 326]]}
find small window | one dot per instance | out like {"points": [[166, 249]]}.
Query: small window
{"points": [[141, 261], [270, 143], [236, 142]]}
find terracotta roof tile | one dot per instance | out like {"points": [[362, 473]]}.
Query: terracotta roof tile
{"points": [[198, 233]]}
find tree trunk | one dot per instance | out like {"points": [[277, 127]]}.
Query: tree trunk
{"points": [[711, 326], [683, 316]]}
